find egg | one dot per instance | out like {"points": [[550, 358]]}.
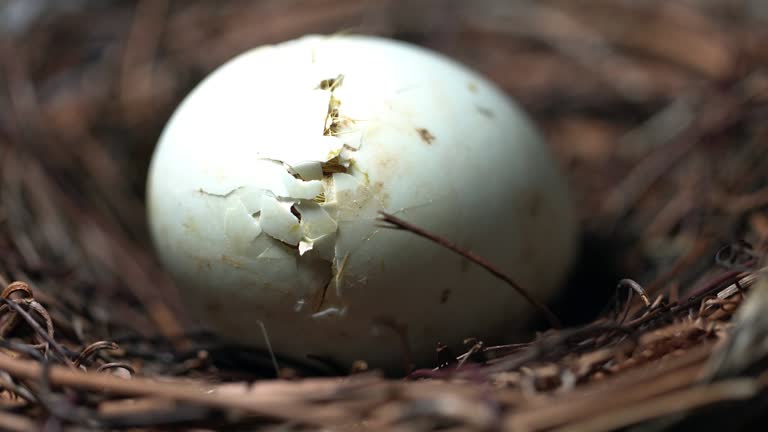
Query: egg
{"points": [[267, 182]]}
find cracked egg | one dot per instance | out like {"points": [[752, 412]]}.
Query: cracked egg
{"points": [[266, 185]]}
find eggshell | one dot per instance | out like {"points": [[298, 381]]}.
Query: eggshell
{"points": [[266, 185]]}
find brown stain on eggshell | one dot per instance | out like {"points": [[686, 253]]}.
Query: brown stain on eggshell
{"points": [[353, 202], [231, 262], [202, 264], [444, 296], [425, 135], [377, 191], [485, 112], [386, 164], [190, 226]]}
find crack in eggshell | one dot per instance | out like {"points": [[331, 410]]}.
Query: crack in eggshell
{"points": [[305, 170], [338, 273], [278, 221], [327, 297], [318, 148], [250, 198], [219, 195], [240, 227], [266, 175], [309, 170], [298, 194], [276, 252], [294, 188], [316, 225]]}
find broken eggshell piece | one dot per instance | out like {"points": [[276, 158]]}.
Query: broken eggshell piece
{"points": [[266, 184]]}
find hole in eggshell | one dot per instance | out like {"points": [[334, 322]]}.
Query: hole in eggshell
{"points": [[295, 212], [332, 166], [321, 293], [331, 83]]}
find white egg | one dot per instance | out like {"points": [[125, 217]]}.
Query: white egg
{"points": [[266, 185]]}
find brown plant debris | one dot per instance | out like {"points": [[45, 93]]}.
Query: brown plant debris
{"points": [[657, 110]]}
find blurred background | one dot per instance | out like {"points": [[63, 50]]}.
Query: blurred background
{"points": [[657, 110]]}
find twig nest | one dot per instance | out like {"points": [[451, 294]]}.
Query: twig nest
{"points": [[266, 184]]}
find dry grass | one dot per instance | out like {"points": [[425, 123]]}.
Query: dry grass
{"points": [[657, 110]]}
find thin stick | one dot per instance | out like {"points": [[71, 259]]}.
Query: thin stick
{"points": [[14, 422], [269, 348], [58, 349], [92, 349], [633, 287], [398, 223], [259, 399]]}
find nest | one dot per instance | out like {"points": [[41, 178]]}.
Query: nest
{"points": [[656, 109]]}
